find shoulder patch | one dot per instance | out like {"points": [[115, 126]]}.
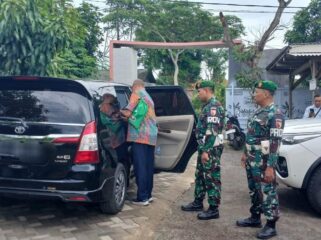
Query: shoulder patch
{"points": [[278, 122], [213, 111], [278, 111]]}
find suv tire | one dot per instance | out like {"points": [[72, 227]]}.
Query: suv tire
{"points": [[114, 191], [314, 191]]}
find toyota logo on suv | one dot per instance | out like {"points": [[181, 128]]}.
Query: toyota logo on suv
{"points": [[20, 130]]}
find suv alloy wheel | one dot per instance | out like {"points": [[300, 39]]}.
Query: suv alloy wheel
{"points": [[114, 191]]}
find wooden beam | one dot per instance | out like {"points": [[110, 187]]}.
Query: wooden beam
{"points": [[319, 74], [301, 68], [291, 80], [173, 45], [297, 82]]}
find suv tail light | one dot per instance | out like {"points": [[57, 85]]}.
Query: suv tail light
{"points": [[88, 147], [74, 140]]}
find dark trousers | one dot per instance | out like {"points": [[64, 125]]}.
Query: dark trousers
{"points": [[143, 159]]}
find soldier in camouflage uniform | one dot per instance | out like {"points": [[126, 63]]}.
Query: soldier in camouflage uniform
{"points": [[210, 146], [260, 156]]}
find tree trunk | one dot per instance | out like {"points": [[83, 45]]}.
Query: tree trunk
{"points": [[176, 73], [273, 26], [174, 58], [291, 78], [259, 46], [175, 62]]}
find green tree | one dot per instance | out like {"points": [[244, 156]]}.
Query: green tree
{"points": [[30, 37], [216, 64], [90, 18], [75, 62], [306, 25], [166, 21], [176, 22], [189, 64], [122, 16], [79, 60]]}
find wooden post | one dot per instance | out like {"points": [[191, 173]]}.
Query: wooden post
{"points": [[314, 75], [291, 78]]}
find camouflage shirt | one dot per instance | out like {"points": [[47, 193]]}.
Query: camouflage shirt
{"points": [[210, 124], [266, 125]]}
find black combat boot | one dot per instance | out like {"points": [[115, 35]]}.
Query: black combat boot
{"points": [[196, 205], [253, 221], [268, 231], [211, 213]]}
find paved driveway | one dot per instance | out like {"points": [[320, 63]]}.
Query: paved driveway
{"points": [[298, 221], [57, 220], [163, 218]]}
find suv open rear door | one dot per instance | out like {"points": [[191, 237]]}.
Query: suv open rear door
{"points": [[176, 119]]}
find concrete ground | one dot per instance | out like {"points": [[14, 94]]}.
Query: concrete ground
{"points": [[52, 220], [162, 219], [298, 221]]}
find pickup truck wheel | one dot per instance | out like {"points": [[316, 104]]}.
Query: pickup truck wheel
{"points": [[114, 191], [314, 190]]}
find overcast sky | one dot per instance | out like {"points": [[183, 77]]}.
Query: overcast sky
{"points": [[257, 22], [254, 22]]}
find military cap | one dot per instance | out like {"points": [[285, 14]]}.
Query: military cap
{"points": [[205, 84], [267, 85]]}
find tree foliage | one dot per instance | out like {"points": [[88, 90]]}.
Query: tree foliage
{"points": [[123, 16], [90, 18], [30, 37], [48, 37], [306, 25], [173, 22], [79, 60], [166, 21], [216, 64]]}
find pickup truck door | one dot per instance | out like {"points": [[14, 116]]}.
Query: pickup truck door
{"points": [[176, 119]]}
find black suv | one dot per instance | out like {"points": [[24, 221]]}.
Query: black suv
{"points": [[51, 139]]}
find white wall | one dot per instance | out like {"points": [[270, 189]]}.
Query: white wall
{"points": [[125, 65], [238, 101]]}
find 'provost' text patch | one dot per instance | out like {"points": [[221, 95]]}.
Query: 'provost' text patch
{"points": [[276, 132], [213, 120]]}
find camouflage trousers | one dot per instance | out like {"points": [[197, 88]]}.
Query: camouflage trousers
{"points": [[264, 197], [208, 178]]}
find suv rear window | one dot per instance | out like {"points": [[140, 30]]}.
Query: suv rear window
{"points": [[122, 98], [36, 103]]}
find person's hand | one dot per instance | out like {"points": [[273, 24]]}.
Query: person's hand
{"points": [[125, 113], [204, 157], [243, 160], [269, 175]]}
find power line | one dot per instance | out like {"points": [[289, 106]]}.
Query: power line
{"points": [[213, 3], [221, 4], [230, 4], [225, 10], [246, 11]]}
